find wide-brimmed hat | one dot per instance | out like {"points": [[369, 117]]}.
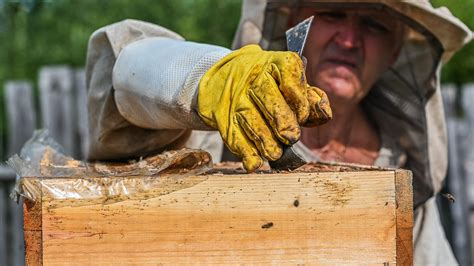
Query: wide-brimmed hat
{"points": [[449, 31]]}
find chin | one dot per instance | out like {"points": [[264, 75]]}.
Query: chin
{"points": [[338, 88]]}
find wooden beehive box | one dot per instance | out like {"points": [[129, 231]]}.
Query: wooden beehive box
{"points": [[336, 216]]}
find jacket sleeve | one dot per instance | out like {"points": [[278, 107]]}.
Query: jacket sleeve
{"points": [[137, 103], [156, 81]]}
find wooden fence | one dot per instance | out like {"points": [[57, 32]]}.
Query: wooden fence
{"points": [[62, 108], [63, 111], [459, 217]]}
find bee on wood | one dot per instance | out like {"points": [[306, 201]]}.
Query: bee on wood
{"points": [[449, 197]]}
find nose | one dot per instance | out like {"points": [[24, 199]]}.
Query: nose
{"points": [[349, 35]]}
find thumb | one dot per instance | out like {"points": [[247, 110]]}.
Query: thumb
{"points": [[320, 109]]}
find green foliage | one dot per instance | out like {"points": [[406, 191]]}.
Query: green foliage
{"points": [[460, 69], [56, 32]]}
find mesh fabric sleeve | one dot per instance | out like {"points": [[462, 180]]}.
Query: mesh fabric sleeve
{"points": [[156, 81], [111, 135]]}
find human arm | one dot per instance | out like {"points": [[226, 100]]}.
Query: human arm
{"points": [[111, 135], [150, 86]]}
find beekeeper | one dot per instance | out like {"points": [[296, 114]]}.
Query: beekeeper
{"points": [[379, 62]]}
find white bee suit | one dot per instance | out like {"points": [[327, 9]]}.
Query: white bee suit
{"points": [[142, 81]]}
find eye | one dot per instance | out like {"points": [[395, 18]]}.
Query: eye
{"points": [[331, 16], [374, 26]]}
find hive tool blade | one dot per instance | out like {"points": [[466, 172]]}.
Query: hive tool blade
{"points": [[295, 40]]}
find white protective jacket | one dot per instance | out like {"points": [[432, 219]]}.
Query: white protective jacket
{"points": [[142, 82]]}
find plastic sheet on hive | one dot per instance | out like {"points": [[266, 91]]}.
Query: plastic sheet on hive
{"points": [[42, 162]]}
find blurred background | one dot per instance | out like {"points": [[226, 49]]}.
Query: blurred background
{"points": [[43, 45]]}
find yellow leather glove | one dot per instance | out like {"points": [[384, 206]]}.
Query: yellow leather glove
{"points": [[258, 100]]}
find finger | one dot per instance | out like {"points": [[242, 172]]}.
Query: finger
{"points": [[288, 71], [242, 147], [259, 133], [281, 118], [320, 109]]}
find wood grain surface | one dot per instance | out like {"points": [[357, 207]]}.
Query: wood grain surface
{"points": [[321, 218], [404, 211]]}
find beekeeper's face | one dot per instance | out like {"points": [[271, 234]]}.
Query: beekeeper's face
{"points": [[348, 50]]}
